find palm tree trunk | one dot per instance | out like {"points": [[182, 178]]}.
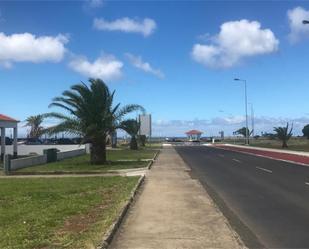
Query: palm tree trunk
{"points": [[284, 144], [114, 139], [98, 152], [133, 143]]}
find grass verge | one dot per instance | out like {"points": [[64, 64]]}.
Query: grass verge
{"points": [[118, 159], [59, 212], [297, 144]]}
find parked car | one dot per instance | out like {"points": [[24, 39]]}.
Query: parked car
{"points": [[8, 141], [33, 141], [65, 141]]}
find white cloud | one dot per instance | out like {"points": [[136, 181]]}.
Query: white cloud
{"points": [[145, 27], [297, 28], [235, 41], [95, 3], [27, 47], [138, 62], [106, 67]]}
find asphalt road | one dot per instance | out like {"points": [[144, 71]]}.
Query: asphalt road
{"points": [[266, 201]]}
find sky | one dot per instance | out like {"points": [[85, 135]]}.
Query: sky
{"points": [[178, 59]]}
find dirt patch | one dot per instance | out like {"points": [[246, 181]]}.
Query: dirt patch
{"points": [[80, 223]]}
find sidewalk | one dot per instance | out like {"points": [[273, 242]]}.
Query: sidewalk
{"points": [[174, 211], [298, 157]]}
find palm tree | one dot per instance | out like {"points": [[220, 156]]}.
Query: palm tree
{"points": [[131, 126], [35, 124], [118, 119], [91, 115], [284, 134]]}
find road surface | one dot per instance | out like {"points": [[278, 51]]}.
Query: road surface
{"points": [[265, 200]]}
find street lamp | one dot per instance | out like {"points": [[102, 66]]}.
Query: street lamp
{"points": [[305, 22], [252, 119], [246, 108]]}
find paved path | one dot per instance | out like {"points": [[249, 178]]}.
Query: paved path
{"points": [[267, 197], [174, 211]]}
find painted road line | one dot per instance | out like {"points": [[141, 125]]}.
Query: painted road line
{"points": [[236, 160], [266, 170], [307, 183], [221, 155]]}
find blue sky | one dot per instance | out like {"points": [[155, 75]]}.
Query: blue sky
{"points": [[176, 58]]}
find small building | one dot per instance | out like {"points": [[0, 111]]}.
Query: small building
{"points": [[194, 135], [8, 122]]}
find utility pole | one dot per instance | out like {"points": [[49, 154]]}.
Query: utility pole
{"points": [[252, 119], [246, 108]]}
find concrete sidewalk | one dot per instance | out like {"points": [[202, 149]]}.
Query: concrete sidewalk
{"points": [[174, 211]]}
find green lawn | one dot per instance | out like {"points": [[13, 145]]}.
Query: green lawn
{"points": [[127, 154], [54, 213], [299, 144], [82, 163]]}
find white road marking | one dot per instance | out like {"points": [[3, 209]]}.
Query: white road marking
{"points": [[221, 155], [266, 170], [307, 183], [236, 160]]}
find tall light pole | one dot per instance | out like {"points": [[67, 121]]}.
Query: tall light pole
{"points": [[252, 119], [246, 108]]}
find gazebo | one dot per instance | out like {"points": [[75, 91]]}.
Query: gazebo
{"points": [[194, 135], [8, 122]]}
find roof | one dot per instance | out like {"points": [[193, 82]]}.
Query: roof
{"points": [[7, 118], [194, 132]]}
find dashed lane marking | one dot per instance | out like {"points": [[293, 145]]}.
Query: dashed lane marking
{"points": [[266, 170]]}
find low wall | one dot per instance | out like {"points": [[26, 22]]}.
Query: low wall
{"points": [[68, 154], [27, 162], [24, 150]]}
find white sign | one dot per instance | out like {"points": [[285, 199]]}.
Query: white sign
{"points": [[145, 125]]}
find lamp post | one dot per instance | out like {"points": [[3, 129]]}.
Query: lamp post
{"points": [[246, 108], [252, 119]]}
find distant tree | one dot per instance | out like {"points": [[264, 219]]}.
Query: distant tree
{"points": [[142, 139], [268, 135], [131, 126], [284, 134], [306, 131], [35, 124], [242, 131]]}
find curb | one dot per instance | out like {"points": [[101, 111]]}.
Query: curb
{"points": [[153, 160], [109, 235]]}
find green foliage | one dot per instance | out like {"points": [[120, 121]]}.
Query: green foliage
{"points": [[35, 124], [142, 139], [131, 126], [284, 134], [90, 114], [306, 131], [242, 131]]}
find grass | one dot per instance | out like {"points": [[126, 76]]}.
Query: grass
{"points": [[127, 154], [54, 213], [295, 143], [129, 159]]}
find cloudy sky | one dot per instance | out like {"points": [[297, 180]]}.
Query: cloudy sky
{"points": [[176, 58]]}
